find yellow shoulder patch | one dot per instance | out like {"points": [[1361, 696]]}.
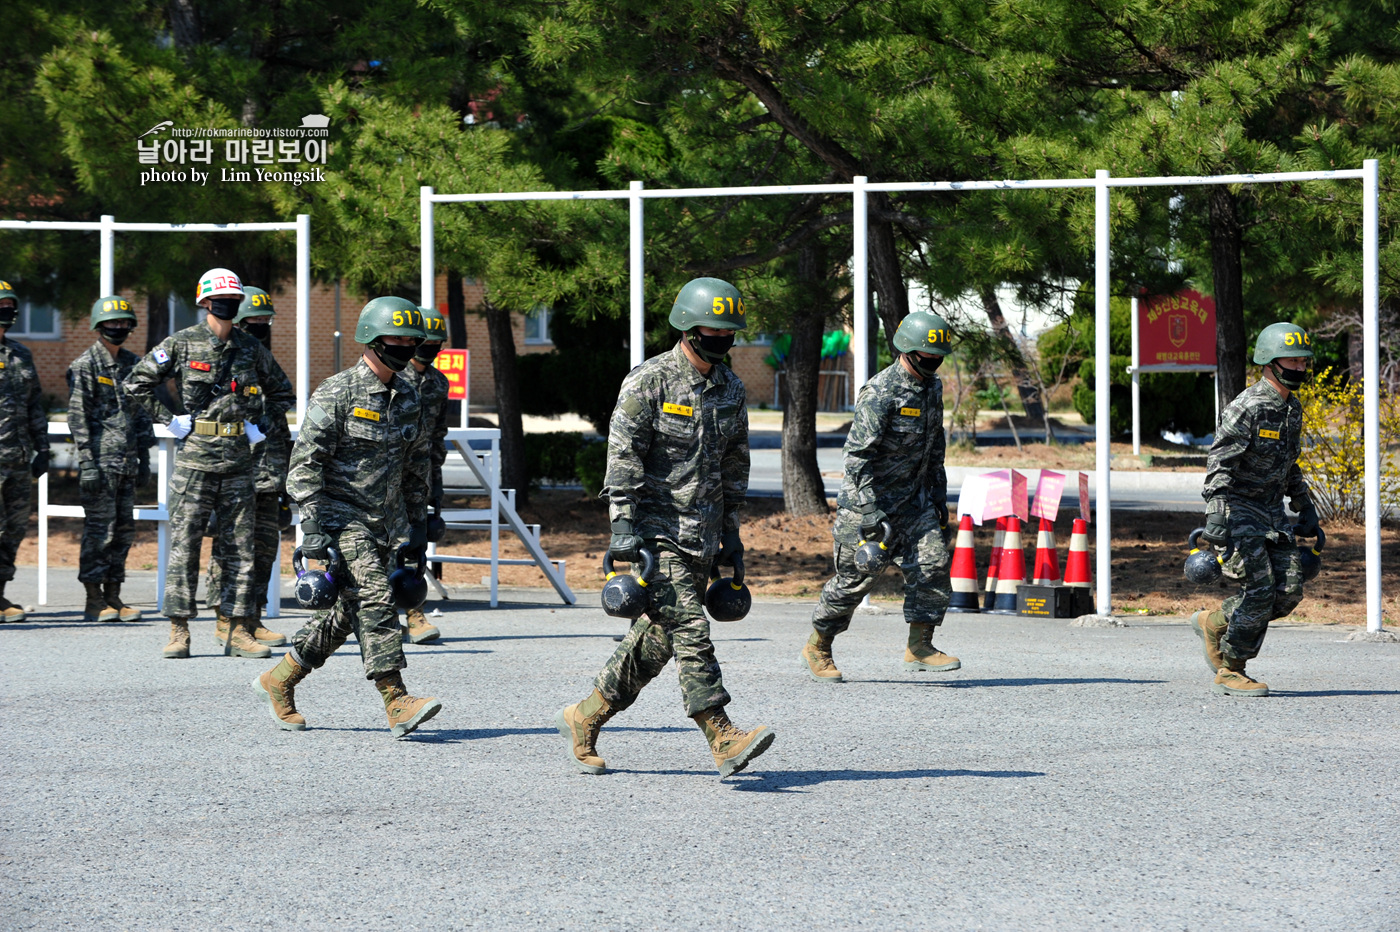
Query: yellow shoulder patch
{"points": [[103, 380], [1271, 434], [366, 413], [911, 412], [685, 410]]}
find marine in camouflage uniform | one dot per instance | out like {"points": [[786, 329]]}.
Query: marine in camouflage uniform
{"points": [[270, 463], [113, 439], [894, 474], [24, 444], [359, 474], [432, 390], [678, 471], [230, 393], [1253, 464]]}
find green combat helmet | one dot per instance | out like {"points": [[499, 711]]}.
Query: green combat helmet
{"points": [[709, 302], [1282, 341], [113, 307], [255, 303], [924, 332], [435, 327], [8, 314], [390, 317]]}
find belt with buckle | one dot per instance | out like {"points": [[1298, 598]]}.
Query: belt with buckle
{"points": [[219, 428]]}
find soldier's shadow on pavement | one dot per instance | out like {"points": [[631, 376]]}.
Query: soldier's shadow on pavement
{"points": [[1324, 693], [1017, 681], [455, 735], [787, 781]]}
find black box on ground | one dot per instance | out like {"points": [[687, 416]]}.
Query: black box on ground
{"points": [[1057, 601]]}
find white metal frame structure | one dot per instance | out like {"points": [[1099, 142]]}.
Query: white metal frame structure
{"points": [[1102, 184]]}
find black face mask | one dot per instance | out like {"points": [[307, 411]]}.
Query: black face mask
{"points": [[1291, 379], [711, 349], [8, 316], [115, 335], [427, 352], [224, 308], [925, 367], [263, 332], [395, 357]]}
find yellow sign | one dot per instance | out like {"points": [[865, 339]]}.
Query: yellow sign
{"points": [[677, 409], [103, 380], [366, 413], [911, 412], [1271, 434]]}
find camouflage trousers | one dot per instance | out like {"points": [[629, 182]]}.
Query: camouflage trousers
{"points": [[922, 554], [194, 495], [1271, 586], [267, 537], [364, 608], [109, 526], [16, 489], [675, 626]]}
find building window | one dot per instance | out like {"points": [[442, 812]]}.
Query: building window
{"points": [[182, 313], [37, 322], [537, 326]]}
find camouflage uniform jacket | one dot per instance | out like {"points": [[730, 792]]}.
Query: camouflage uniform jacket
{"points": [[228, 381], [895, 447], [272, 457], [1253, 463], [109, 429], [361, 455], [432, 393], [24, 428], [678, 453]]}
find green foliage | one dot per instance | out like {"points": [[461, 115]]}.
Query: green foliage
{"points": [[551, 457], [591, 463], [582, 375]]}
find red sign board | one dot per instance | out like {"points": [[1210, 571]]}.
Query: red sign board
{"points": [[1176, 329], [456, 365]]}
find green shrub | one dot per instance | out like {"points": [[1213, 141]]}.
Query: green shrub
{"points": [[591, 464], [550, 457]]}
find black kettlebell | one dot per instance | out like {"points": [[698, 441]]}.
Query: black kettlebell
{"points": [[872, 556], [728, 599], [437, 528], [318, 589], [407, 585], [1203, 565], [626, 596], [1311, 557]]}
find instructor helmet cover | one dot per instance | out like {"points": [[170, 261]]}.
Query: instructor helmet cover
{"points": [[218, 283]]}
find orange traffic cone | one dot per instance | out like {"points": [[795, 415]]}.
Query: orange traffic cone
{"points": [[963, 573], [1012, 571], [994, 566], [1077, 562], [1047, 562]]}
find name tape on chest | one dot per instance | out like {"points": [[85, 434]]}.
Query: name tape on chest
{"points": [[1271, 434], [251, 390], [911, 412], [103, 380], [201, 366], [684, 410], [367, 414]]}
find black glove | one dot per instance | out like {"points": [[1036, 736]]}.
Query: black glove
{"points": [[1307, 516], [870, 519], [89, 478], [730, 547], [314, 544], [625, 544], [942, 509], [418, 537], [1217, 532], [143, 473], [40, 464]]}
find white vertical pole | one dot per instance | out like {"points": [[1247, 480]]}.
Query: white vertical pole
{"points": [[1137, 390], [303, 314], [107, 259], [426, 247], [165, 463], [1371, 375], [860, 287], [636, 331], [1101, 387], [44, 534]]}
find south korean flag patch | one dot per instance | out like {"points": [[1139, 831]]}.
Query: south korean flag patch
{"points": [[161, 356]]}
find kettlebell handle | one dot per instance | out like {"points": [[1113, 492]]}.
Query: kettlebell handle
{"points": [[1191, 542], [1321, 539], [648, 562], [738, 570], [332, 561], [420, 558], [886, 532]]}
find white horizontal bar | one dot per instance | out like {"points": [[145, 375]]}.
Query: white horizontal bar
{"points": [[532, 196], [980, 185], [50, 225], [1265, 178], [202, 227]]}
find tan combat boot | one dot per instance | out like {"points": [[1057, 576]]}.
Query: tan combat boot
{"points": [[405, 712], [278, 686], [920, 654], [9, 611], [419, 631], [96, 608], [179, 646], [112, 594], [241, 642], [1231, 680], [579, 724], [732, 747], [1211, 628], [817, 656], [220, 626], [263, 635]]}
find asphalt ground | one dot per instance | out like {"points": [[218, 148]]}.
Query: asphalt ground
{"points": [[1064, 778]]}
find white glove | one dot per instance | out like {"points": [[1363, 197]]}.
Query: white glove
{"points": [[180, 425], [255, 436]]}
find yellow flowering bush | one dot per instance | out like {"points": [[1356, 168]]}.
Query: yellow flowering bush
{"points": [[1333, 455]]}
